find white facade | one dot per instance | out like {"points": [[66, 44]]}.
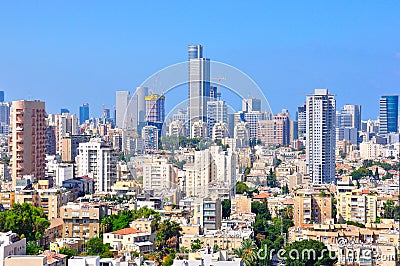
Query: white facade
{"points": [[217, 112], [11, 245], [320, 136], [150, 137], [198, 174], [162, 177], [98, 161]]}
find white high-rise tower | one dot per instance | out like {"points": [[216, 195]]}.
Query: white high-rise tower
{"points": [[320, 136]]}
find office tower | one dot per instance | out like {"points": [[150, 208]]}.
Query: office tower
{"points": [[388, 114], [64, 111], [140, 95], [4, 118], [97, 160], [251, 104], [251, 118], [351, 116], [217, 111], [199, 85], [155, 110], [301, 122], [320, 136], [27, 140], [275, 131], [83, 113], [294, 130], [122, 100], [1, 96], [130, 109], [214, 94], [150, 137], [65, 124]]}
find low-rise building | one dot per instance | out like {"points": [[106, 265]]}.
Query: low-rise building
{"points": [[11, 244], [130, 239]]}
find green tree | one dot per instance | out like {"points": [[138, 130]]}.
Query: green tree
{"points": [[388, 209], [69, 252], [95, 246], [168, 232], [226, 208], [24, 219], [285, 189], [271, 178], [248, 252], [196, 244], [32, 248], [308, 253], [241, 188]]}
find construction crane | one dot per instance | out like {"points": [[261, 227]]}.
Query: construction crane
{"points": [[219, 79]]}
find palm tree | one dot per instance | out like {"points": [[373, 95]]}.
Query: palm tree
{"points": [[248, 252]]}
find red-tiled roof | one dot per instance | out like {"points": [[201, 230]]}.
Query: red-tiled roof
{"points": [[261, 196], [126, 231]]}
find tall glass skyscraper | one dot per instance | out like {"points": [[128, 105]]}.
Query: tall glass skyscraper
{"points": [[388, 114], [83, 113], [199, 85]]}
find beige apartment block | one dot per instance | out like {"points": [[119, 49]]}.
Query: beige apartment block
{"points": [[27, 140], [82, 220]]}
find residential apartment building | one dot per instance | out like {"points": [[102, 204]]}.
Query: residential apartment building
{"points": [[11, 244], [97, 160], [357, 206], [27, 140], [207, 213], [82, 219], [312, 206]]}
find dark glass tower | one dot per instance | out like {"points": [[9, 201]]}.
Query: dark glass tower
{"points": [[83, 113], [388, 114]]}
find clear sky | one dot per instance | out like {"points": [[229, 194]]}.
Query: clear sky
{"points": [[70, 52]]}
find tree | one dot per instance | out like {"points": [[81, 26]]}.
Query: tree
{"points": [[196, 244], [285, 189], [241, 188], [165, 231], [226, 208], [95, 246], [248, 252], [24, 219], [69, 252], [32, 248], [308, 253], [271, 178], [388, 209]]}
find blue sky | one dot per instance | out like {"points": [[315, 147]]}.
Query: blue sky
{"points": [[70, 52]]}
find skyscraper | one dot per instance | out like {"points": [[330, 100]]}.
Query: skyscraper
{"points": [[217, 111], [155, 110], [130, 109], [320, 136], [27, 140], [388, 114], [351, 116], [301, 122], [1, 96], [199, 85], [83, 113]]}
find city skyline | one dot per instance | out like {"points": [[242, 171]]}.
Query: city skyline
{"points": [[73, 57]]}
